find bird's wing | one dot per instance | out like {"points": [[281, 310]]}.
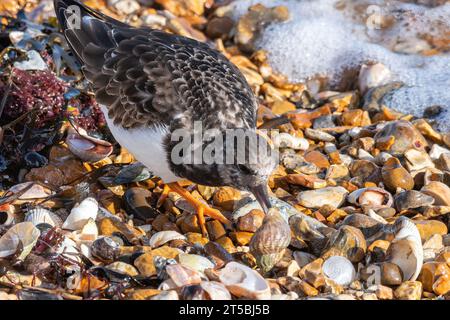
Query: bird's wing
{"points": [[146, 76]]}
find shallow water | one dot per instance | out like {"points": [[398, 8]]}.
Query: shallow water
{"points": [[320, 39]]}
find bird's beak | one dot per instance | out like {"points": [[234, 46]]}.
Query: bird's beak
{"points": [[262, 196]]}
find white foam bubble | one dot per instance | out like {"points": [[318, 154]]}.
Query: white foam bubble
{"points": [[322, 40]]}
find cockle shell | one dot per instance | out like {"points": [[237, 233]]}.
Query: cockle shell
{"points": [[41, 215], [269, 241], [215, 290], [244, 282], [23, 235], [87, 148], [80, 215], [339, 269], [371, 198], [162, 237], [406, 249]]}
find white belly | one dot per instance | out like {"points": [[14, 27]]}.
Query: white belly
{"points": [[146, 145]]}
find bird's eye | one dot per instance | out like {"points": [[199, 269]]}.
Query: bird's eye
{"points": [[244, 169]]}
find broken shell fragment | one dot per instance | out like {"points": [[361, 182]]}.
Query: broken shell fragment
{"points": [[80, 214], [244, 282], [406, 249], [285, 140], [162, 237], [215, 290], [182, 276], [371, 198], [412, 199], [269, 241], [195, 262]]}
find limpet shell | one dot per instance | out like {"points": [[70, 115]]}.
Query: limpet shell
{"points": [[244, 282], [24, 235]]}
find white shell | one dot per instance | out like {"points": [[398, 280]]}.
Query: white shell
{"points": [[36, 191], [88, 233], [371, 76], [244, 282], [406, 249], [41, 215], [216, 290], [80, 215], [166, 295], [162, 237], [195, 262], [9, 215], [357, 197], [25, 233], [183, 276], [286, 140], [340, 270]]}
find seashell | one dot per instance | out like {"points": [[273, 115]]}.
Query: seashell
{"points": [[105, 249], [412, 199], [89, 232], [286, 140], [339, 269], [269, 241], [371, 198], [123, 268], [23, 235], [162, 237], [439, 191], [192, 292], [183, 276], [41, 215], [87, 148], [418, 160], [285, 209], [244, 282], [406, 249], [166, 295], [195, 262], [34, 191], [80, 214], [7, 216], [371, 76], [132, 173], [215, 290], [68, 248]]}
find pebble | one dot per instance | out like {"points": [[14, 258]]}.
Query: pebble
{"points": [[409, 290], [145, 264], [348, 242], [428, 228], [251, 221], [226, 198], [319, 135], [391, 275], [395, 176], [138, 203], [439, 191], [332, 196], [215, 229]]}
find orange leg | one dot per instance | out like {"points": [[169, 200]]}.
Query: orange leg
{"points": [[202, 208], [163, 196]]}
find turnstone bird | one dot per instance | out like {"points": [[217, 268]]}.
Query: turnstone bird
{"points": [[151, 84]]}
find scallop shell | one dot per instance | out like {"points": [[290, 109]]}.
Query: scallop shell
{"points": [[406, 249], [162, 237], [215, 290], [41, 215], [80, 215], [195, 262], [244, 282], [286, 140], [339, 269], [24, 235], [269, 241]]}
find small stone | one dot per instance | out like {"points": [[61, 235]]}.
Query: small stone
{"points": [[308, 289], [196, 238], [439, 191], [319, 135], [123, 268], [144, 263], [108, 227], [226, 198], [369, 296], [430, 273], [163, 223], [412, 199], [324, 122], [391, 275], [355, 118], [348, 242], [227, 244], [219, 27], [428, 228], [442, 285], [251, 221], [384, 293], [395, 176], [281, 107], [306, 181], [303, 258], [337, 171], [409, 290], [215, 229], [418, 160], [443, 162], [189, 223], [138, 203], [124, 6], [332, 196], [312, 273], [49, 174], [241, 238], [317, 158], [142, 294]]}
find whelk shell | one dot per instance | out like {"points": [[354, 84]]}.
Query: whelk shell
{"points": [[339, 269], [244, 282], [24, 235], [80, 215], [162, 237], [406, 249], [268, 243]]}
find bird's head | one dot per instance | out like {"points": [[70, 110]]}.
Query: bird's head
{"points": [[243, 159]]}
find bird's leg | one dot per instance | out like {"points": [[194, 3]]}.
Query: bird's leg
{"points": [[163, 196], [202, 208]]}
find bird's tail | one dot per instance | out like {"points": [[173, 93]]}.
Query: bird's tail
{"points": [[83, 27]]}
